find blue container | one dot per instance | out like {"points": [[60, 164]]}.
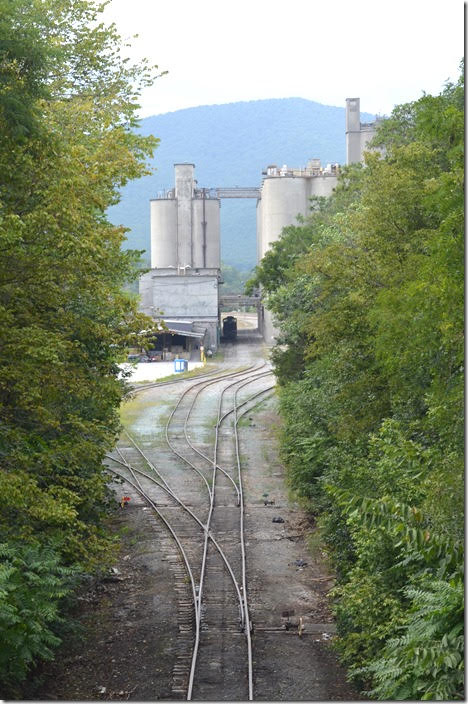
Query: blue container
{"points": [[180, 365]]}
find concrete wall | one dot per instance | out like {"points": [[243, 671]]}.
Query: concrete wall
{"points": [[322, 185], [146, 294], [211, 334], [259, 229], [367, 133], [179, 297]]}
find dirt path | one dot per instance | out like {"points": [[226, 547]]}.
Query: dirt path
{"points": [[130, 649]]}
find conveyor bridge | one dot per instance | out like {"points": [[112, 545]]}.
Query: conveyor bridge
{"points": [[234, 301], [238, 192]]}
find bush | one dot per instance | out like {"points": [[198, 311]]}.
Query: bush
{"points": [[32, 587]]}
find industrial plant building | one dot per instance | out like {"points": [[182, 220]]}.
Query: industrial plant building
{"points": [[358, 134], [183, 284], [285, 194]]}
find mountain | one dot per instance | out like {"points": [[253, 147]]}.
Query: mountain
{"points": [[231, 145]]}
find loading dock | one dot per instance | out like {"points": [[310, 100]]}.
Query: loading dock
{"points": [[179, 339]]}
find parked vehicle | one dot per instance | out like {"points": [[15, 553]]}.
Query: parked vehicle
{"points": [[230, 328], [133, 358]]}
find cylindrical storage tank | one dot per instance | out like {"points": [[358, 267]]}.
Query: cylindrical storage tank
{"points": [[283, 199], [205, 240], [322, 185], [163, 233]]}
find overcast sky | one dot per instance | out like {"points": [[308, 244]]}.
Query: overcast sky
{"points": [[223, 51]]}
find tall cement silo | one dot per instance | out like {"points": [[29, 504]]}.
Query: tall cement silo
{"points": [[185, 229], [283, 199], [185, 256], [285, 194], [164, 233]]}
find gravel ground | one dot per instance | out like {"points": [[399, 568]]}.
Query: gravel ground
{"points": [[128, 647], [288, 583]]}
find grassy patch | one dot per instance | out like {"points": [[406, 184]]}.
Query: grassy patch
{"points": [[139, 405], [193, 373]]}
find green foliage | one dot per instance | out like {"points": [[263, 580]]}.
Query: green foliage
{"points": [[32, 585], [426, 661], [26, 57], [368, 296], [67, 115], [233, 279]]}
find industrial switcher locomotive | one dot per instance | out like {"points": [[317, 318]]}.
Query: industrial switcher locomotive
{"points": [[230, 328]]}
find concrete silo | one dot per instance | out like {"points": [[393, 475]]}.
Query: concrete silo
{"points": [[164, 233], [286, 191], [283, 199], [185, 256], [185, 229], [286, 194]]}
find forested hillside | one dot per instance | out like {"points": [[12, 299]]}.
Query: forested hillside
{"points": [[368, 296], [67, 106], [230, 145]]}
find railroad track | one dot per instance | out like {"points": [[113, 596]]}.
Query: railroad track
{"points": [[203, 515]]}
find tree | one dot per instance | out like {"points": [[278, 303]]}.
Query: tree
{"points": [[368, 295], [67, 114]]}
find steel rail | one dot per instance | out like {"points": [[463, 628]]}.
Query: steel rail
{"points": [[156, 385], [184, 459], [205, 527], [241, 534], [199, 452], [171, 493], [244, 610], [242, 540], [243, 403], [214, 461], [136, 389], [148, 461], [244, 613], [195, 596], [141, 491], [215, 466]]}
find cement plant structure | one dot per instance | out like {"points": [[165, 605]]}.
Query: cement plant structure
{"points": [[182, 286]]}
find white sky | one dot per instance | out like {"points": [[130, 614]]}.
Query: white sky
{"points": [[223, 51]]}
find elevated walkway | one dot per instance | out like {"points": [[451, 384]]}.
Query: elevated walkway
{"points": [[233, 300], [238, 192]]}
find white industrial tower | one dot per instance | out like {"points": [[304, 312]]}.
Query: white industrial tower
{"points": [[183, 282]]}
